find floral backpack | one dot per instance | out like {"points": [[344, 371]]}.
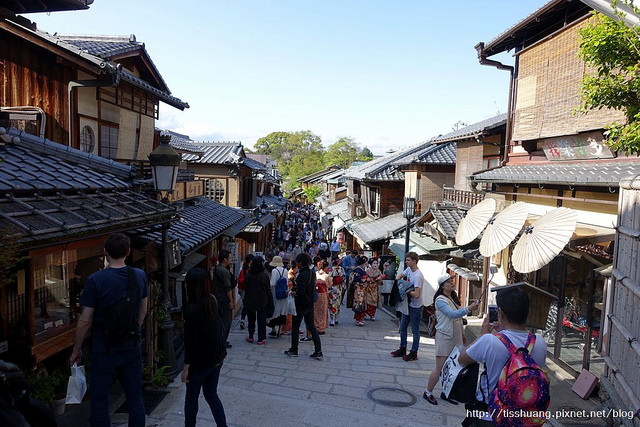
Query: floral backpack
{"points": [[521, 396]]}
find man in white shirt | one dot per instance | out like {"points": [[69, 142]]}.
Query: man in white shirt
{"points": [[414, 276], [513, 308]]}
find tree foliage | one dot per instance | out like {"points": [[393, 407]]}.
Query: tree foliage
{"points": [[297, 153], [613, 51], [365, 155], [313, 192], [343, 152]]}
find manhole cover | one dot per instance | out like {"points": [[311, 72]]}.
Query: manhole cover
{"points": [[390, 396]]}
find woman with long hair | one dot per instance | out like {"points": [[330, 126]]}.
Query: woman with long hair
{"points": [[256, 298], [243, 272], [335, 292], [358, 288], [291, 279], [321, 306], [448, 330], [204, 348], [373, 282]]}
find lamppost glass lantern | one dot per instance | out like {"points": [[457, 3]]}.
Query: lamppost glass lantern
{"points": [[165, 162], [409, 207]]}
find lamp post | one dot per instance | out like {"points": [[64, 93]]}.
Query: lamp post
{"points": [[165, 162], [408, 211]]}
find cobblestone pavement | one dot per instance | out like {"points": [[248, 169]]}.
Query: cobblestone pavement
{"points": [[260, 386]]}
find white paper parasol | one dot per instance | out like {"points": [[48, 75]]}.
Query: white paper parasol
{"points": [[503, 228], [543, 240], [475, 221]]}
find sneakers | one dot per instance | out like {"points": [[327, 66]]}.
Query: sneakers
{"points": [[359, 323], [316, 355], [291, 353], [306, 339], [273, 333], [399, 352], [429, 398], [412, 355], [263, 342], [249, 339], [242, 324]]}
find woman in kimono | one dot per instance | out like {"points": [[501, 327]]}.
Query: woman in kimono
{"points": [[358, 286], [335, 291], [321, 306], [374, 281]]}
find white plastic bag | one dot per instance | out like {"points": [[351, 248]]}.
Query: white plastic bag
{"points": [[291, 305], [77, 385]]}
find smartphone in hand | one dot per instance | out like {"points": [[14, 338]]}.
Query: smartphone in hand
{"points": [[493, 314]]}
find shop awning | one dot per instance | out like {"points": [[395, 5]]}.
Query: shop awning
{"points": [[418, 244]]}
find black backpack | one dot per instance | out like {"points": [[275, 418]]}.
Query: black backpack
{"points": [[121, 319]]}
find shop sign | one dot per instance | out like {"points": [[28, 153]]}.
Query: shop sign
{"points": [[174, 257], [577, 147]]}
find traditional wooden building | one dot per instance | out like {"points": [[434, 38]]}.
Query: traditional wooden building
{"points": [[99, 94], [57, 208], [553, 157]]}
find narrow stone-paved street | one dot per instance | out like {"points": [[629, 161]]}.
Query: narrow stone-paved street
{"points": [[259, 385]]}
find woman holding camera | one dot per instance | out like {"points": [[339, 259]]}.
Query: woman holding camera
{"points": [[448, 330]]}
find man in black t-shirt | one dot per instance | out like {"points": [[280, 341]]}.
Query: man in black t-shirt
{"points": [[223, 289]]}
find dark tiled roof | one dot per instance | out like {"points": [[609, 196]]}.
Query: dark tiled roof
{"points": [[442, 154], [36, 6], [108, 47], [254, 164], [371, 230], [201, 220], [594, 173], [107, 66], [317, 176], [54, 217], [383, 168], [217, 153], [337, 207], [448, 219], [274, 202], [473, 130], [30, 163], [182, 142]]}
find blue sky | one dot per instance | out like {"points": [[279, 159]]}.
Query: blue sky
{"points": [[387, 73]]}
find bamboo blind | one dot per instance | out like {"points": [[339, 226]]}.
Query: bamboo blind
{"points": [[623, 354], [548, 89]]}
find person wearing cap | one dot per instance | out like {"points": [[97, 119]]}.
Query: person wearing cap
{"points": [[448, 330], [413, 275], [280, 312]]}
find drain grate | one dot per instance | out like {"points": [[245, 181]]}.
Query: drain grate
{"points": [[391, 396]]}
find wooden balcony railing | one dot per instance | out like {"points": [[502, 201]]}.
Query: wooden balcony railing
{"points": [[464, 198]]}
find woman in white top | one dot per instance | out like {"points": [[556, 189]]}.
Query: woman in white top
{"points": [[448, 330], [280, 312]]}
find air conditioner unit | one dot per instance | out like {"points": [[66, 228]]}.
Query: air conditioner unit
{"points": [[359, 211]]}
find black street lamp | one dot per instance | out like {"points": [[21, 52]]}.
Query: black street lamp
{"points": [[165, 162], [408, 211]]}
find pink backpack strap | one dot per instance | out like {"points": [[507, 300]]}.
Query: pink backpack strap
{"points": [[506, 341], [531, 341]]}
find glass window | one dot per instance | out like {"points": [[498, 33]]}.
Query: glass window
{"points": [[58, 280], [87, 139], [108, 141]]}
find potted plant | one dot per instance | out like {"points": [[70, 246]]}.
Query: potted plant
{"points": [[50, 388]]}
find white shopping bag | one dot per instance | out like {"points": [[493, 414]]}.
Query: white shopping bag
{"points": [[77, 385], [291, 305], [450, 371]]}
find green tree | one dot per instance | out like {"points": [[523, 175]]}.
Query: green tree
{"points": [[343, 152], [612, 50], [313, 192], [365, 155], [297, 153]]}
